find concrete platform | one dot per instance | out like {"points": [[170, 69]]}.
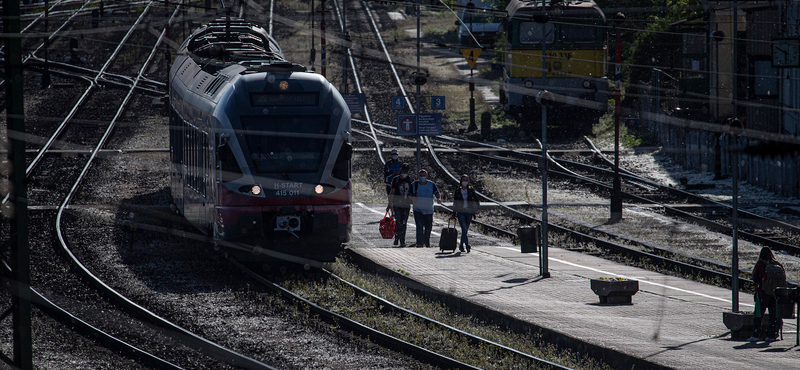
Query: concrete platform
{"points": [[672, 322]]}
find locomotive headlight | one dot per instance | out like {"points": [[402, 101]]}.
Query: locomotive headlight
{"points": [[284, 85], [319, 189], [529, 84], [256, 190], [586, 84]]}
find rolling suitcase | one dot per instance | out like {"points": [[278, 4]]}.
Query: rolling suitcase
{"points": [[449, 239]]}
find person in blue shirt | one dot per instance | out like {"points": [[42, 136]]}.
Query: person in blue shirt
{"points": [[390, 170], [423, 194]]}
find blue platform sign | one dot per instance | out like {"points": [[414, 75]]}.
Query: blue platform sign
{"points": [[437, 102], [429, 124], [398, 102], [355, 102], [407, 124]]}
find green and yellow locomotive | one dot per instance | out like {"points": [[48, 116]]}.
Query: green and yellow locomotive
{"points": [[575, 72]]}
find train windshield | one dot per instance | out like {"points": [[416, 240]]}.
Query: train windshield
{"points": [[531, 33], [286, 144]]}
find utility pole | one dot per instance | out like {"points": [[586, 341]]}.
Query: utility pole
{"points": [[419, 156], [313, 51], [616, 193], [735, 175], [472, 125], [46, 74], [544, 269], [344, 47], [19, 288], [322, 37]]}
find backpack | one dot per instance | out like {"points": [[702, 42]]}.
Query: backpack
{"points": [[774, 277]]}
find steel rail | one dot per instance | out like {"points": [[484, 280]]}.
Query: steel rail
{"points": [[635, 179], [345, 323], [697, 198], [373, 136], [49, 38], [62, 126], [66, 316], [388, 56], [474, 338], [358, 85], [585, 238], [190, 339]]}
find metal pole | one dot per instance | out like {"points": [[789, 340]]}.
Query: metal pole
{"points": [[616, 194], [543, 269], [313, 56], [419, 156], [344, 47], [20, 249], [472, 125], [735, 232], [46, 74], [322, 38], [735, 173]]}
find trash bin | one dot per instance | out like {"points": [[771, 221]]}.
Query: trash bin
{"points": [[529, 238], [786, 299]]}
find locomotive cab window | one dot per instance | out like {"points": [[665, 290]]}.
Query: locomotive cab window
{"points": [[578, 33], [286, 144], [531, 33]]}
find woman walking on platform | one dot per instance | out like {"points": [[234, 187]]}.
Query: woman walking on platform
{"points": [[466, 205], [767, 275]]}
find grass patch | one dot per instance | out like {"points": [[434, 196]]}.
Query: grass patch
{"points": [[341, 298], [368, 187], [603, 131]]}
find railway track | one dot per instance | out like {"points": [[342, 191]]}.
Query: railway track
{"points": [[636, 250], [91, 122]]}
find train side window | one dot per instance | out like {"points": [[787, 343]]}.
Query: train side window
{"points": [[206, 167], [193, 157], [187, 153], [176, 138]]}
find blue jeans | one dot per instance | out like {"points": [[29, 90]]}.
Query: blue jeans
{"points": [[464, 219], [400, 221], [424, 224], [767, 302]]}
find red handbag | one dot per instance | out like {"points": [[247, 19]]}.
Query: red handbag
{"points": [[387, 226]]}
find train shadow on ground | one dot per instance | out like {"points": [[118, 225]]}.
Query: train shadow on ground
{"points": [[164, 252]]}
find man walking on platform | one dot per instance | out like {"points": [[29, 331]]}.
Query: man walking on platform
{"points": [[390, 170], [423, 192]]}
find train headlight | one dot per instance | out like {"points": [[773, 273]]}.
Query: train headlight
{"points": [[586, 84], [284, 85], [319, 189], [529, 84], [252, 189]]}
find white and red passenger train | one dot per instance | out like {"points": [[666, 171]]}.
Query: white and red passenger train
{"points": [[260, 148]]}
